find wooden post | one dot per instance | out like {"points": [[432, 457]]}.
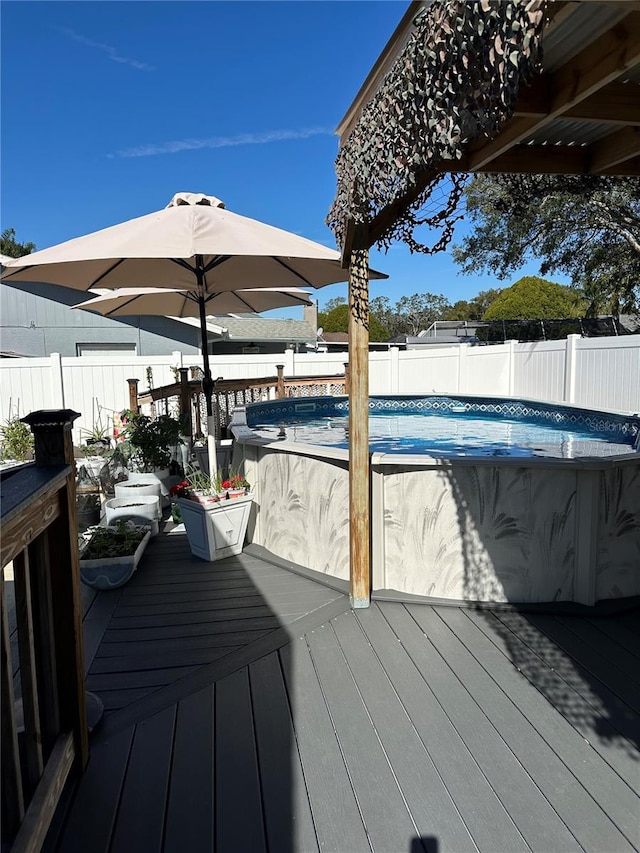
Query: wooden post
{"points": [[133, 395], [347, 384], [185, 401], [54, 446], [280, 385], [359, 554]]}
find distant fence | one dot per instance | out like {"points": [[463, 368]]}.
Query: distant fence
{"points": [[599, 372]]}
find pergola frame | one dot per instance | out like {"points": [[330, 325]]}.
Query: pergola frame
{"points": [[580, 115]]}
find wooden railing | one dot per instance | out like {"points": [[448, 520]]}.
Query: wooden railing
{"points": [[228, 393], [39, 537]]}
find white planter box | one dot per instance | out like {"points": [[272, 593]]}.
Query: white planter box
{"points": [[111, 572], [216, 530], [161, 476], [143, 509], [134, 489]]}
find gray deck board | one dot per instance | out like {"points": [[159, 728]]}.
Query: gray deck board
{"points": [[190, 815], [384, 810], [239, 818], [288, 820], [595, 712], [92, 816], [333, 802], [478, 632], [477, 768], [405, 727], [422, 786], [581, 814], [140, 819]]}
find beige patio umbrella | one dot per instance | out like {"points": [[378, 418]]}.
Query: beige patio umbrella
{"points": [[192, 244], [161, 301]]}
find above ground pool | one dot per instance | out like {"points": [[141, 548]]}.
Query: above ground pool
{"points": [[451, 427], [473, 499]]}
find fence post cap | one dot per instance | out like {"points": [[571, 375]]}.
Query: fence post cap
{"points": [[51, 418]]}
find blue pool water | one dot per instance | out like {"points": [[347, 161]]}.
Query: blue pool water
{"points": [[452, 428]]}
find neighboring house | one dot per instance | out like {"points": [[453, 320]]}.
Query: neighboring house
{"points": [[38, 319]]}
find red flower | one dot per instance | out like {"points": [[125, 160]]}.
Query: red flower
{"points": [[179, 488], [226, 484]]}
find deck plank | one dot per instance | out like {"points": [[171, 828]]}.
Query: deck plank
{"points": [[190, 818], [623, 658], [617, 630], [593, 661], [140, 820], [239, 819], [453, 733], [422, 786], [333, 802], [288, 820], [384, 810], [92, 816], [480, 635], [569, 689], [580, 813]]}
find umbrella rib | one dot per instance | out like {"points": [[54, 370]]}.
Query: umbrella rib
{"points": [[106, 273], [291, 270]]}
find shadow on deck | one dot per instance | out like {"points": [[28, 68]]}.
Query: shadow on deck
{"points": [[248, 709]]}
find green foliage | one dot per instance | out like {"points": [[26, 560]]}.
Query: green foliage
{"points": [[12, 249], [411, 314], [586, 227], [337, 320], [150, 440], [17, 440], [533, 298], [474, 309], [118, 540]]}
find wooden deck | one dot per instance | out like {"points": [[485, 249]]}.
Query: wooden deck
{"points": [[249, 709]]}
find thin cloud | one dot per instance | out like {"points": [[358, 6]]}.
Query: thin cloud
{"points": [[176, 146], [111, 52]]}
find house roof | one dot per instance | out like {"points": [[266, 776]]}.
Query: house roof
{"points": [[253, 328]]}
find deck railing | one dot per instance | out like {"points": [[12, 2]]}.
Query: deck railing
{"points": [[39, 538], [228, 393]]}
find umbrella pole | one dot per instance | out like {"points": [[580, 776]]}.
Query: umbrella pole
{"points": [[207, 382]]}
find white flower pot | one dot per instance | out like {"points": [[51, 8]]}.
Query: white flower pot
{"points": [[160, 475], [143, 509], [132, 490], [111, 572], [216, 530]]}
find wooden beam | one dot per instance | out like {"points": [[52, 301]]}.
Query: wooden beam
{"points": [[617, 103], [603, 61], [538, 160], [359, 510], [615, 149]]}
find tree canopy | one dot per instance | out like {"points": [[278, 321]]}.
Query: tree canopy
{"points": [[585, 226], [533, 298], [337, 320], [12, 249]]}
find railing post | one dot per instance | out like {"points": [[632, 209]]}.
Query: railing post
{"points": [[54, 446], [133, 395], [185, 400], [280, 384]]}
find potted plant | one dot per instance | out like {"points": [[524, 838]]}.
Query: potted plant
{"points": [[214, 523], [142, 509], [147, 446], [88, 507], [110, 555], [17, 441]]}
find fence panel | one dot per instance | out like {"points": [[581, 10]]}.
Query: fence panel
{"points": [[539, 370], [486, 371], [608, 373]]}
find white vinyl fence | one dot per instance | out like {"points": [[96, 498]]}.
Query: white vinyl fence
{"points": [[602, 373]]}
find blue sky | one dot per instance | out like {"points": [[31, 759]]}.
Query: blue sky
{"points": [[109, 108]]}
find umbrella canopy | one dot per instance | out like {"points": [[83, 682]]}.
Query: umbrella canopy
{"points": [[161, 301], [192, 244]]}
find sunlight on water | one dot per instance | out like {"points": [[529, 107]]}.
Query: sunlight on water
{"points": [[455, 434]]}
